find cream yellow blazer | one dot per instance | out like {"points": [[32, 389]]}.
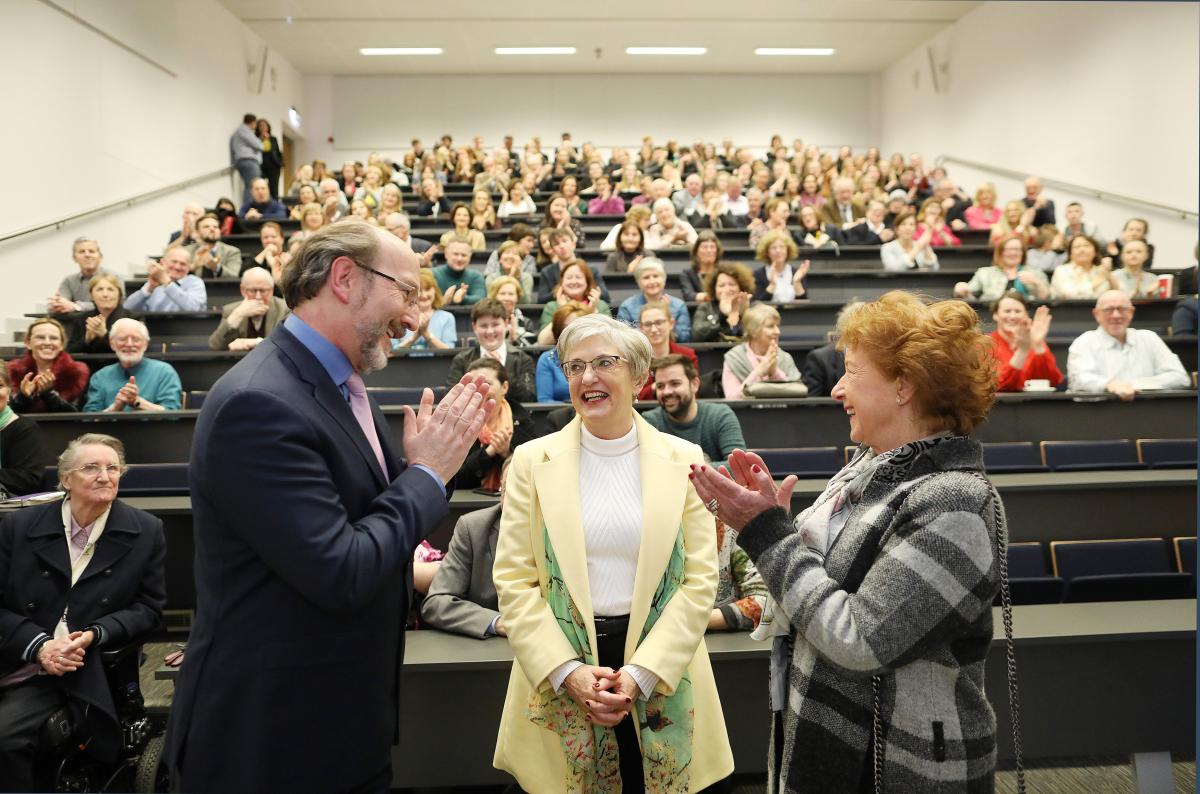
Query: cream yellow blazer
{"points": [[543, 486]]}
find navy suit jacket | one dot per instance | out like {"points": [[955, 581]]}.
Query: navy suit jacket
{"points": [[303, 580]]}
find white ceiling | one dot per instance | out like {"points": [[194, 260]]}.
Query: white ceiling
{"points": [[323, 37]]}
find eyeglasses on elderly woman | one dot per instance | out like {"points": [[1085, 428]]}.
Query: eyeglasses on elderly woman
{"points": [[601, 365]]}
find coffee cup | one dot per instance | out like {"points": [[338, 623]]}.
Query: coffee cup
{"points": [[1166, 285]]}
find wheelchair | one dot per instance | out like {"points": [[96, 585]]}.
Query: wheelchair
{"points": [[63, 762]]}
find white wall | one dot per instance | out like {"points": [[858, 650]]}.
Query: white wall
{"points": [[365, 114], [1096, 94], [89, 122]]}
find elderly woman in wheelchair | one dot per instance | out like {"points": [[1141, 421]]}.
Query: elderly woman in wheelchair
{"points": [[79, 579]]}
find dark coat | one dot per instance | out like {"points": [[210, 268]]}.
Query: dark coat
{"points": [[823, 368], [303, 574], [77, 331], [761, 280], [477, 463], [122, 590], [520, 367], [24, 457]]}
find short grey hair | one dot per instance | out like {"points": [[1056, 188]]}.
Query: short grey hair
{"points": [[648, 263], [397, 219], [313, 260], [662, 202], [756, 317], [631, 343], [84, 239], [67, 458], [327, 181], [129, 321]]}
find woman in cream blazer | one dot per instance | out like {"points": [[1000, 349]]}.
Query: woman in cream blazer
{"points": [[572, 733]]}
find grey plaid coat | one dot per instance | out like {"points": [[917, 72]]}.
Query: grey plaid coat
{"points": [[905, 593]]}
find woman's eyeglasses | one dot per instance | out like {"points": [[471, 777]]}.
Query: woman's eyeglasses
{"points": [[601, 365]]}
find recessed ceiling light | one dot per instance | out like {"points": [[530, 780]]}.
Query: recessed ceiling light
{"points": [[794, 51], [401, 50], [665, 50], [535, 50]]}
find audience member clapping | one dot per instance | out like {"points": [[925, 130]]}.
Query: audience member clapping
{"points": [[273, 255], [1084, 275], [134, 383], [656, 324], [872, 230], [631, 249], [931, 220], [1132, 278], [262, 205], [170, 286], [460, 218], [307, 195], [510, 262], [558, 216], [1121, 360], [651, 278], [639, 214], [983, 214], [1035, 199], [605, 201], [562, 253], [432, 203], [509, 426], [491, 323], [668, 230], [302, 178], [483, 214], [457, 281], [436, 328], [907, 251], [1008, 272], [706, 255], [72, 294], [1019, 344], [348, 179], [507, 290], [1016, 219], [371, 189], [778, 214], [1047, 253], [731, 287], [576, 204], [187, 232], [776, 280], [552, 386], [953, 203], [759, 359], [88, 330], [517, 202], [247, 322], [843, 211], [390, 200], [212, 258], [577, 285], [46, 378]]}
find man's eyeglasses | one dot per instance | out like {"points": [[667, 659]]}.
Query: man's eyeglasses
{"points": [[1116, 310], [92, 470], [601, 365], [407, 291]]}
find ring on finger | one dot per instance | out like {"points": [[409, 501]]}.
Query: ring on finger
{"points": [[713, 505]]}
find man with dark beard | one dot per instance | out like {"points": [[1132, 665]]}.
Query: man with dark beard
{"points": [[306, 520], [713, 426]]}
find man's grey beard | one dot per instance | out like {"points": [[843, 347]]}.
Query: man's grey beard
{"points": [[130, 360], [372, 358]]}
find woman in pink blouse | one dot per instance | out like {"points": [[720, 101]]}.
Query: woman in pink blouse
{"points": [[984, 213], [933, 219]]}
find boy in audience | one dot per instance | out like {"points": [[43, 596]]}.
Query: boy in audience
{"points": [[73, 294], [711, 425], [135, 382], [457, 281], [247, 322], [211, 257], [1121, 360], [261, 205], [170, 286], [1076, 225], [490, 321]]}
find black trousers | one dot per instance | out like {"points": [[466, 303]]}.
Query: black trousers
{"points": [[610, 652], [24, 708]]}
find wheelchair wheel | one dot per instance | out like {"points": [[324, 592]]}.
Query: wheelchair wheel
{"points": [[151, 774]]}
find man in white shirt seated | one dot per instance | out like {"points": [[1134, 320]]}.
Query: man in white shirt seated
{"points": [[688, 201], [668, 230], [170, 286], [735, 203], [1119, 359]]}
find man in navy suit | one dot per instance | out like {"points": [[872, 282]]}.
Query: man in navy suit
{"points": [[306, 521]]}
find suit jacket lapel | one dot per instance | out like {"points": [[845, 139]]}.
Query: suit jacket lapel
{"points": [[664, 488], [556, 481], [330, 398]]}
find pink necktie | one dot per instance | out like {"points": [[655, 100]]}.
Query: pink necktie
{"points": [[362, 413], [79, 538]]}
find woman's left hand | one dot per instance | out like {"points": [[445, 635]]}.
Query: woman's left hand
{"points": [[746, 493]]}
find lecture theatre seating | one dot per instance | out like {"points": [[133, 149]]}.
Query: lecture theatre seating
{"points": [[1119, 570]]}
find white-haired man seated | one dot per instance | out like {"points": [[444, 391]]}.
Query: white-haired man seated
{"points": [[246, 322], [134, 382], [1119, 359], [668, 230]]}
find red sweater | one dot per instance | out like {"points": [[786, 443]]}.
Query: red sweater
{"points": [[70, 379], [647, 392], [1038, 366]]}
